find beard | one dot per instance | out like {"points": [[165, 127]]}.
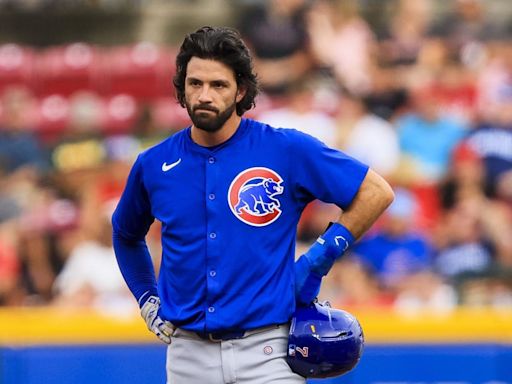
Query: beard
{"points": [[211, 121]]}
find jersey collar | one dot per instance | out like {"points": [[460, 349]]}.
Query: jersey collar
{"points": [[242, 129]]}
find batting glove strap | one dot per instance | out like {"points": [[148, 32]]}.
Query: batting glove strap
{"points": [[328, 248], [150, 313]]}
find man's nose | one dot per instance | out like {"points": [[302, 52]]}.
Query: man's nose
{"points": [[204, 96]]}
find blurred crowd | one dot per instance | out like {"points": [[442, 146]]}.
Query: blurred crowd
{"points": [[426, 101]]}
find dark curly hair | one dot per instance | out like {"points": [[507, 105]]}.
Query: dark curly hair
{"points": [[221, 44]]}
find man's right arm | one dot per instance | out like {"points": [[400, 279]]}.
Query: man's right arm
{"points": [[130, 223], [136, 266]]}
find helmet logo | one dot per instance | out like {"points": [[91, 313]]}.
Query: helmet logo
{"points": [[303, 351]]}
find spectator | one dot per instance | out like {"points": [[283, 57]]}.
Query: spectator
{"points": [[300, 112], [425, 291], [396, 250], [351, 284], [342, 41], [388, 96], [492, 139], [471, 236], [406, 33], [465, 24], [465, 177], [427, 138], [9, 265], [457, 93], [493, 143], [366, 136], [463, 248], [492, 290], [39, 213], [19, 146], [91, 277], [275, 31]]}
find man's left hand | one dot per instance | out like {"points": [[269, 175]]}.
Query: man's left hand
{"points": [[318, 260], [150, 312]]}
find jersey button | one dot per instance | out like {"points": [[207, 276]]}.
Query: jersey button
{"points": [[211, 160], [213, 235], [213, 273], [211, 309], [211, 196]]}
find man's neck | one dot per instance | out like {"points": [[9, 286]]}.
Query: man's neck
{"points": [[211, 139]]}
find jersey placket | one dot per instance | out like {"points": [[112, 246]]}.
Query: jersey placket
{"points": [[213, 239]]}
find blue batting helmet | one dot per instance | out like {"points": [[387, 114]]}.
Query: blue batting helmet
{"points": [[324, 341]]}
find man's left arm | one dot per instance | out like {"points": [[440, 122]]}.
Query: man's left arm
{"points": [[372, 198]]}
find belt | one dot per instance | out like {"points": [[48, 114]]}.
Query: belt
{"points": [[219, 336]]}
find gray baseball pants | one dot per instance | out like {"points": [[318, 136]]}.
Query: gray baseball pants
{"points": [[258, 358]]}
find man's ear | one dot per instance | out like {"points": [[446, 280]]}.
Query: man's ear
{"points": [[240, 93]]}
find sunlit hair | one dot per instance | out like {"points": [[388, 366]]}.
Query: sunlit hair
{"points": [[224, 45]]}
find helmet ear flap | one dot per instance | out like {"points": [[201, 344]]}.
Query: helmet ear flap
{"points": [[323, 341]]}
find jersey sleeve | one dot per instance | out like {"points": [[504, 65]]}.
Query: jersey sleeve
{"points": [[132, 217], [324, 173], [130, 223]]}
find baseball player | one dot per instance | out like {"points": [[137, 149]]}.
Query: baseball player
{"points": [[229, 192]]}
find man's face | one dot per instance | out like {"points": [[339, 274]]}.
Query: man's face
{"points": [[211, 93]]}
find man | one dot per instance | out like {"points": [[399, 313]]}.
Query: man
{"points": [[229, 192]]}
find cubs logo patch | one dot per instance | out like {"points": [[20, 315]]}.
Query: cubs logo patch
{"points": [[252, 196]]}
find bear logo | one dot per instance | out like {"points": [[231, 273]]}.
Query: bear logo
{"points": [[253, 196], [257, 198]]}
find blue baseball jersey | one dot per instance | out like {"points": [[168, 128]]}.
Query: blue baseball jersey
{"points": [[229, 217]]}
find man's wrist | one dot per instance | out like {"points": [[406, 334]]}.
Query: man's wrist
{"points": [[145, 296], [329, 247], [340, 236]]}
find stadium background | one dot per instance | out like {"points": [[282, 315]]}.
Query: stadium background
{"points": [[421, 90]]}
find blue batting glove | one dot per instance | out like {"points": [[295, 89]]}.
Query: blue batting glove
{"points": [[318, 261]]}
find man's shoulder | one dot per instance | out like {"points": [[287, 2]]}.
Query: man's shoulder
{"points": [[163, 145], [284, 133]]}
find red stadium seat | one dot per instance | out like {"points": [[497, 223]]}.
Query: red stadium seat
{"points": [[17, 108], [53, 117], [68, 69], [120, 114], [16, 66], [168, 114], [143, 71]]}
